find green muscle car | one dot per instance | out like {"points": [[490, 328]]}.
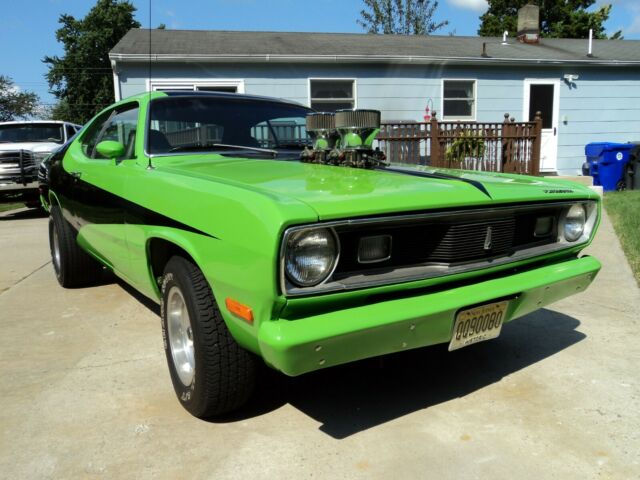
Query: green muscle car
{"points": [[265, 229]]}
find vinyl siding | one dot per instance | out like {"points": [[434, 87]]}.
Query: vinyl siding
{"points": [[604, 105]]}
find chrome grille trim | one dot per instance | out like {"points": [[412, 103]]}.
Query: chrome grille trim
{"points": [[421, 272], [17, 166]]}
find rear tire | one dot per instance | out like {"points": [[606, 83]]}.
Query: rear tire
{"points": [[72, 265], [210, 372]]}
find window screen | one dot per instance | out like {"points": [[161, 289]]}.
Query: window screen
{"points": [[332, 95], [458, 99]]}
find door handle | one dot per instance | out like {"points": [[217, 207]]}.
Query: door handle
{"points": [[554, 131], [76, 175]]}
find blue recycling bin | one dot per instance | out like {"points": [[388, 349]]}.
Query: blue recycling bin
{"points": [[607, 163]]}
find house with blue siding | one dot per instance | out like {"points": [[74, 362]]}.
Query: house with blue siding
{"points": [[586, 91]]}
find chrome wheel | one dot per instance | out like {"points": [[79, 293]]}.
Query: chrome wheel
{"points": [[55, 250], [180, 336]]}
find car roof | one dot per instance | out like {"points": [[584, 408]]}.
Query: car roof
{"points": [[27, 122]]}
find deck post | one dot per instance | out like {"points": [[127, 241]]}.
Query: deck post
{"points": [[436, 160], [535, 147]]}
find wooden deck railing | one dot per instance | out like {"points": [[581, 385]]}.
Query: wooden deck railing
{"points": [[507, 146]]}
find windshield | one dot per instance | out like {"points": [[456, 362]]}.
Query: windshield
{"points": [[214, 123], [32, 132]]}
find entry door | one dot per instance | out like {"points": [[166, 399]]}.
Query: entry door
{"points": [[544, 96]]}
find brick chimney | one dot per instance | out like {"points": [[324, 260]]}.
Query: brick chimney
{"points": [[529, 24]]}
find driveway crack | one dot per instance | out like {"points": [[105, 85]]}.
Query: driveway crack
{"points": [[25, 277]]}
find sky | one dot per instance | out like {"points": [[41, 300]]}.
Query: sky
{"points": [[27, 27]]}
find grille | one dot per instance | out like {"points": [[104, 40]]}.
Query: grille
{"points": [[446, 242], [467, 241], [17, 166], [10, 162]]}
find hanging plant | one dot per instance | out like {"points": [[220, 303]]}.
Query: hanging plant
{"points": [[468, 144]]}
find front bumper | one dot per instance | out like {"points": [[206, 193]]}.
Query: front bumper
{"points": [[303, 345], [11, 185]]}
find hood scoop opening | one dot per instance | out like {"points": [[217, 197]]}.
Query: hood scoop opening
{"points": [[344, 138]]}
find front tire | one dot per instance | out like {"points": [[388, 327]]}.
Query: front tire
{"points": [[210, 372], [72, 265]]}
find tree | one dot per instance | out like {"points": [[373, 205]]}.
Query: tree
{"points": [[558, 18], [82, 79], [15, 103], [406, 17]]}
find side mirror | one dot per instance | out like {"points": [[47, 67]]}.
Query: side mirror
{"points": [[110, 149]]}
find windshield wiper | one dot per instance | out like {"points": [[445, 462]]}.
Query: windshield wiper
{"points": [[222, 146]]}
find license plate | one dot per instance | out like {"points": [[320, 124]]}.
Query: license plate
{"points": [[478, 324]]}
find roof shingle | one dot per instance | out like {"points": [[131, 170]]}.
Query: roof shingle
{"points": [[175, 45]]}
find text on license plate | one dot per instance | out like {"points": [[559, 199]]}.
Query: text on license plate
{"points": [[478, 324]]}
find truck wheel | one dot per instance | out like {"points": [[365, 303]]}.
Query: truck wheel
{"points": [[73, 266], [210, 372]]}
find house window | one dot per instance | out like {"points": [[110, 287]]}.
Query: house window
{"points": [[458, 99], [198, 85], [218, 88], [331, 95]]}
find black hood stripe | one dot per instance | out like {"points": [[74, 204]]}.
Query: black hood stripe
{"points": [[438, 175]]}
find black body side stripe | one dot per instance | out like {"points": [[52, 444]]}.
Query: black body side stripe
{"points": [[137, 214], [94, 205], [440, 176]]}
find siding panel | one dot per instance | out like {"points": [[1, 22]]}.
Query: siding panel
{"points": [[604, 105]]}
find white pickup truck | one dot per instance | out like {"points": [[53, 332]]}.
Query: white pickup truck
{"points": [[23, 147]]}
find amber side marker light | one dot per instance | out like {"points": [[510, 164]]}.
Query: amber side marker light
{"points": [[239, 310]]}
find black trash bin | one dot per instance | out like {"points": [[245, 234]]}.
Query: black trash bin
{"points": [[632, 174]]}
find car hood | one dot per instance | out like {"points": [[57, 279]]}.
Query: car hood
{"points": [[38, 147], [338, 192]]}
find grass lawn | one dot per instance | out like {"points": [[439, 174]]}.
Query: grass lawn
{"points": [[10, 206], [624, 210]]}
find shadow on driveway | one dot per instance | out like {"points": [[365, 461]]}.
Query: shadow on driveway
{"points": [[354, 397], [23, 214], [350, 398]]}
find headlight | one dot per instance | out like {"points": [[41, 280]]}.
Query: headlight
{"points": [[574, 223], [311, 256]]}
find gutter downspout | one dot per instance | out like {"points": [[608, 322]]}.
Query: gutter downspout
{"points": [[116, 81]]}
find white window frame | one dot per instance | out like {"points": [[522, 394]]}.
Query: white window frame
{"points": [[191, 84], [353, 80], [472, 118]]}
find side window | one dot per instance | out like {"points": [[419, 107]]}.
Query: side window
{"points": [[90, 138], [119, 125], [70, 131]]}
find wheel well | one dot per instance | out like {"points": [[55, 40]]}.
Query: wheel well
{"points": [[160, 251], [53, 200]]}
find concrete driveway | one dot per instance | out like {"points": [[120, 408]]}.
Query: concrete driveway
{"points": [[85, 392]]}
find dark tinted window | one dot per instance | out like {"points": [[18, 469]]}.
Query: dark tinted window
{"points": [[32, 132], [181, 122], [70, 131]]}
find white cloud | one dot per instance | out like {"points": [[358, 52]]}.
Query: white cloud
{"points": [[475, 5]]}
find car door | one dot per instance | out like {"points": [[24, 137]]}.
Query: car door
{"points": [[96, 202]]}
